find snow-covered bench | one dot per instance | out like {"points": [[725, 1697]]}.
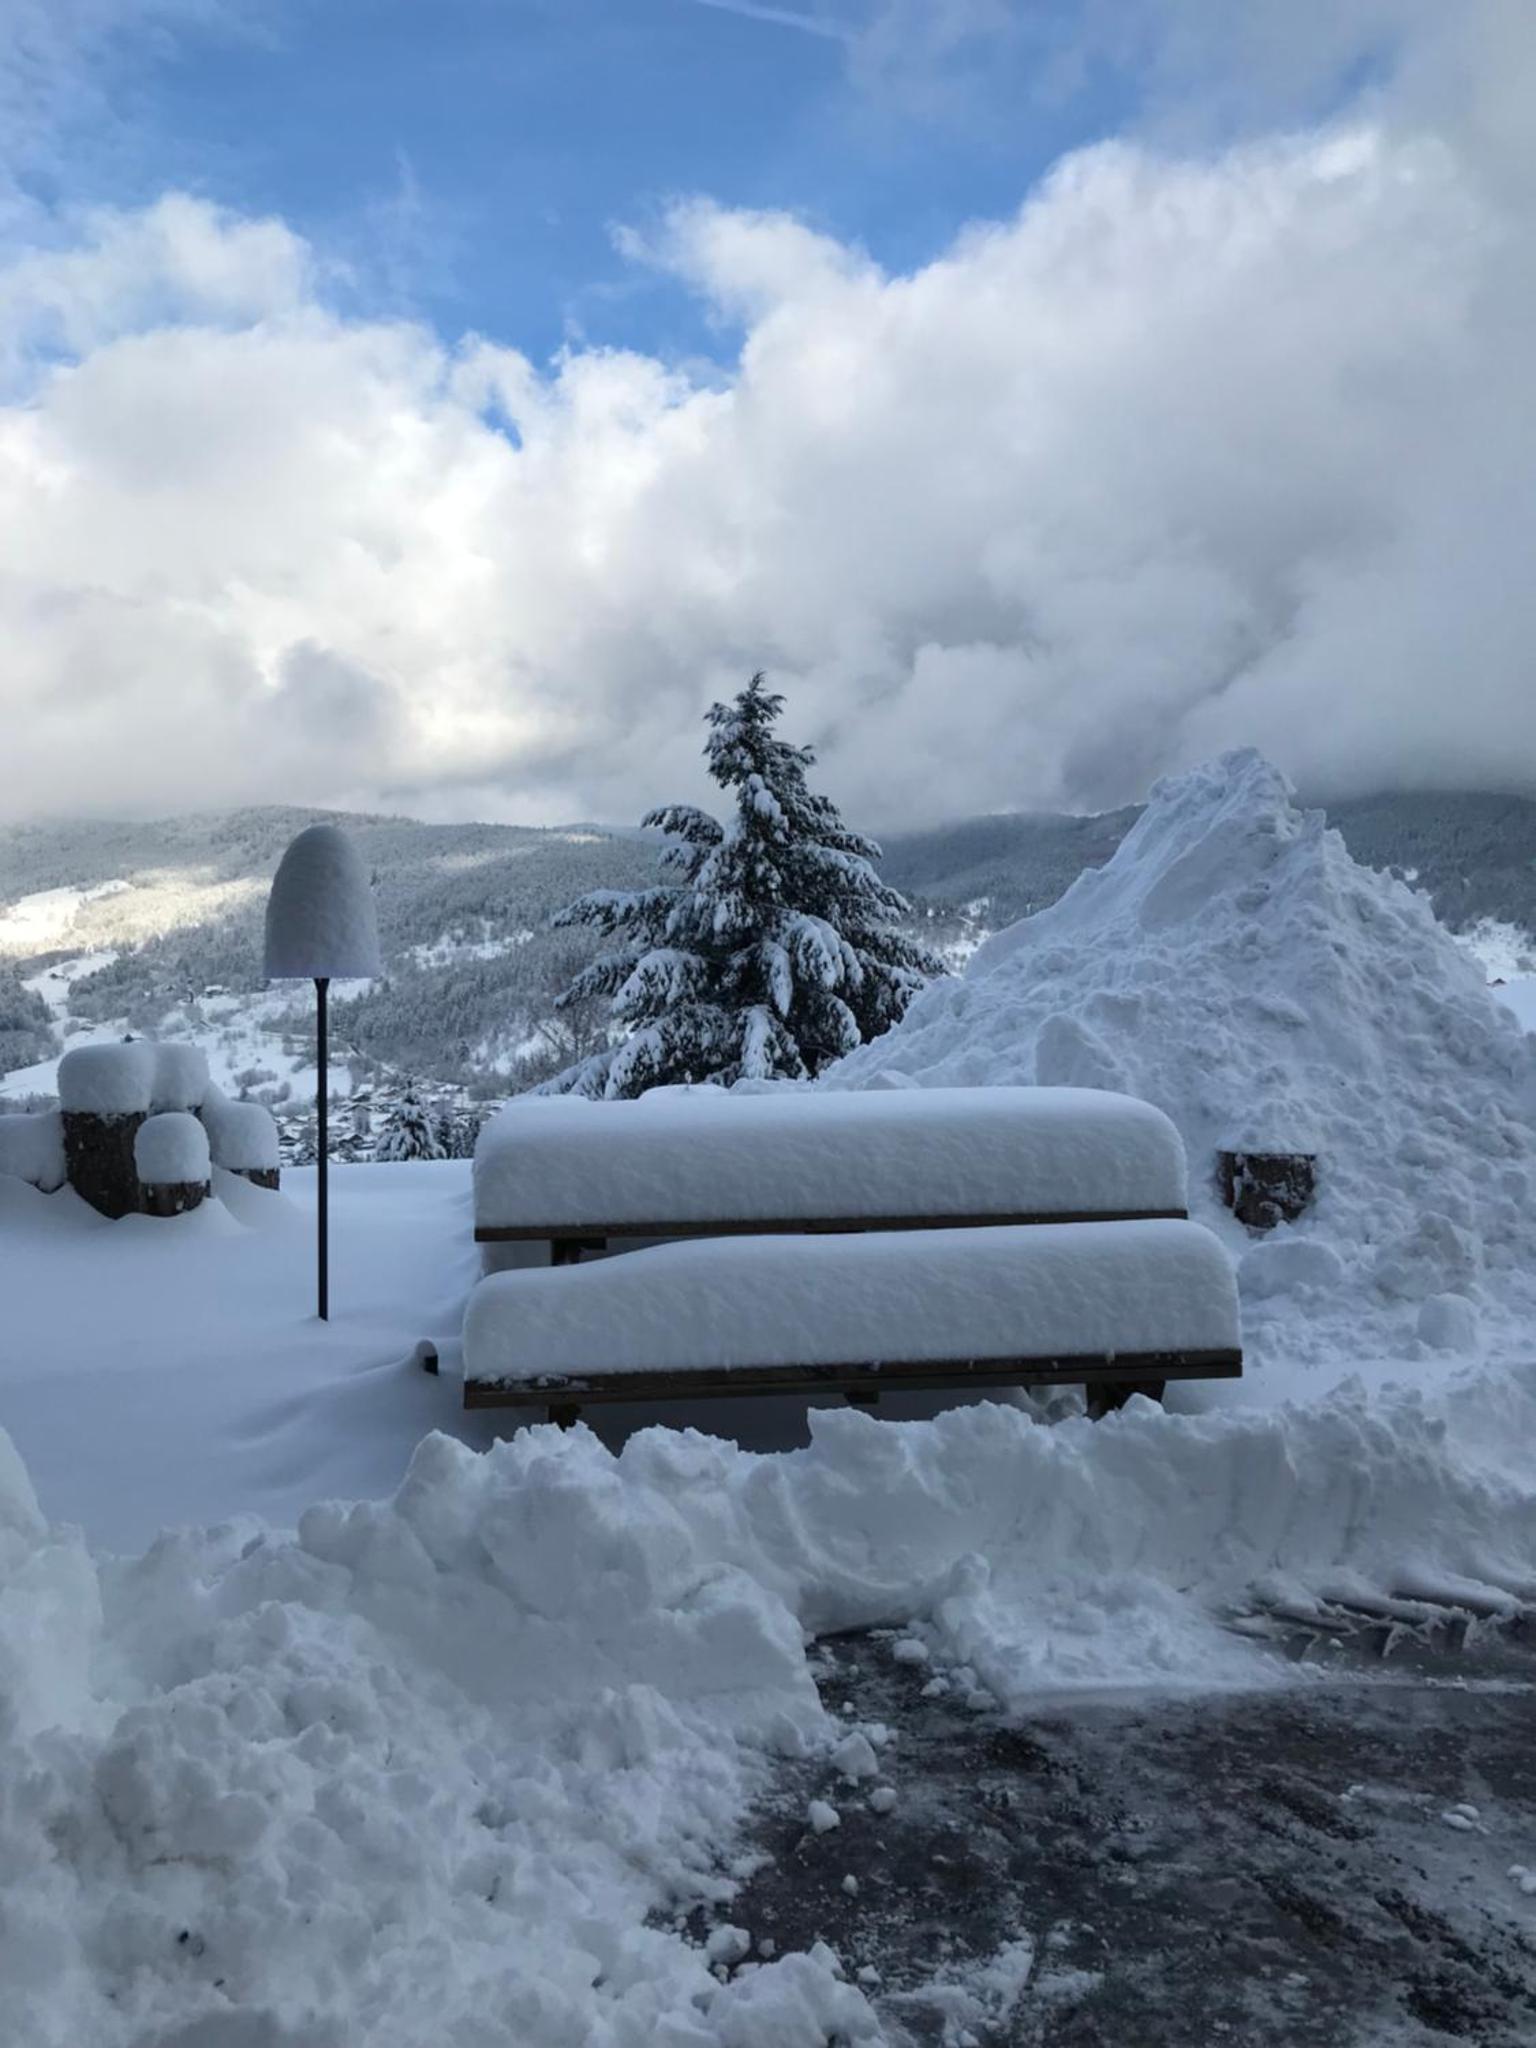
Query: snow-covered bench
{"points": [[1113, 1306], [701, 1162], [809, 1240]]}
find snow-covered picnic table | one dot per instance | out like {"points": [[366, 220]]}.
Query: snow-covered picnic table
{"points": [[862, 1242]]}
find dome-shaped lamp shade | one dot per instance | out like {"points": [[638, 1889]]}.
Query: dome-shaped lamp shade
{"points": [[320, 917]]}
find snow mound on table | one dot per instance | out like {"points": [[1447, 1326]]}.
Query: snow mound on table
{"points": [[1233, 965], [702, 1154]]}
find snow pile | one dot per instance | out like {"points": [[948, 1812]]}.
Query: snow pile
{"points": [[702, 1154], [32, 1148], [424, 1770], [171, 1150], [1062, 1289], [1233, 965], [419, 1773], [242, 1136]]}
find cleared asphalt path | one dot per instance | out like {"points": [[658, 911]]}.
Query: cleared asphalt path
{"points": [[1330, 1863]]}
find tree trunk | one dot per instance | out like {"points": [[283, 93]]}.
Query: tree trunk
{"points": [[172, 1197], [98, 1151]]}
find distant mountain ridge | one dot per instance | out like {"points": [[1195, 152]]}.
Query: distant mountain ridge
{"points": [[473, 967]]}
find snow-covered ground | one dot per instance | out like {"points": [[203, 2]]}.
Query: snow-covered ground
{"points": [[440, 1764]]}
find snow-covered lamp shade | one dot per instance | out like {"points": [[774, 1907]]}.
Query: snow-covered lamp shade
{"points": [[320, 915]]}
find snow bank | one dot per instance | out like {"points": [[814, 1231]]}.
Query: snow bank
{"points": [[32, 1148], [1235, 966], [419, 1773], [242, 1136], [697, 1154], [423, 1770], [171, 1149], [108, 1080], [1044, 1289]]}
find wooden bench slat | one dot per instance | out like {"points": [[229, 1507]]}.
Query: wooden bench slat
{"points": [[894, 1376], [769, 1226]]}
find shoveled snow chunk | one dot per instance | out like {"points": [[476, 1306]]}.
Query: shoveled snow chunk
{"points": [[181, 1077], [32, 1148], [854, 1758], [910, 1650], [170, 1149], [242, 1136], [1057, 1289], [822, 1817], [108, 1080], [683, 1155], [882, 1799], [1448, 1322], [728, 1944], [320, 916]]}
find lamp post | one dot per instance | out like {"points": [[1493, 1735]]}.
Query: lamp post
{"points": [[321, 927]]}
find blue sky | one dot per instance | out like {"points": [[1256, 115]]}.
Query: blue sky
{"points": [[434, 404], [469, 159]]}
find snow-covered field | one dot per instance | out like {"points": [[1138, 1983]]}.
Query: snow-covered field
{"points": [[438, 1765]]}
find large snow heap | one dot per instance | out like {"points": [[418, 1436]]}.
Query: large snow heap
{"points": [[1232, 964]]}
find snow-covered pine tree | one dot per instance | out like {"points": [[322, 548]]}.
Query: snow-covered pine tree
{"points": [[777, 949], [407, 1130]]}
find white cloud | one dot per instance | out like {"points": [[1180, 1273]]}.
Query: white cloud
{"points": [[1194, 451]]}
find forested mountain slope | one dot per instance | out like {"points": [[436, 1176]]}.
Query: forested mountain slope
{"points": [[158, 913]]}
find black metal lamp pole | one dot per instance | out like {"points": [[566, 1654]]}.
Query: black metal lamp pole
{"points": [[322, 1148]]}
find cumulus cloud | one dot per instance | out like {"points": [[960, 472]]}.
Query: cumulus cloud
{"points": [[1199, 448]]}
